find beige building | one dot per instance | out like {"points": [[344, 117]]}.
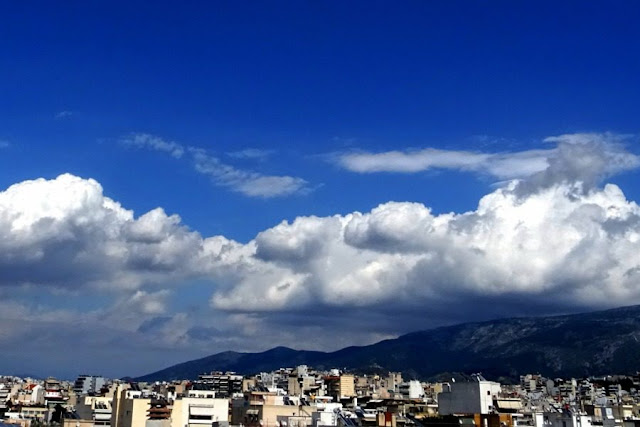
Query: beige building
{"points": [[34, 413], [340, 386], [30, 394], [264, 408], [196, 412], [95, 408], [129, 412], [248, 383], [192, 411], [347, 385], [298, 385], [392, 382]]}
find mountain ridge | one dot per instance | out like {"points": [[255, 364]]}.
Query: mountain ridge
{"points": [[591, 343]]}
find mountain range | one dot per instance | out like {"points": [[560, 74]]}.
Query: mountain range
{"points": [[595, 343]]}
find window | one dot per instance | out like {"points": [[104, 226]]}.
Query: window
{"points": [[200, 417]]}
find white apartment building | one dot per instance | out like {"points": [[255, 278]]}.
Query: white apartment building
{"points": [[475, 397]]}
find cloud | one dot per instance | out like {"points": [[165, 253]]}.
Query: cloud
{"points": [[4, 144], [148, 303], [65, 233], [551, 242], [503, 166], [551, 235], [251, 153], [248, 183], [101, 338], [587, 158], [608, 157], [144, 140], [65, 114], [557, 244]]}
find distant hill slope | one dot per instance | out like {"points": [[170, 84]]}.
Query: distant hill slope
{"points": [[573, 345]]}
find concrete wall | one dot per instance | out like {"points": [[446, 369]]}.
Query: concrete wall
{"points": [[131, 413], [468, 398]]}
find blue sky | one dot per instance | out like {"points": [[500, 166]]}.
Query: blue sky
{"points": [[238, 116]]}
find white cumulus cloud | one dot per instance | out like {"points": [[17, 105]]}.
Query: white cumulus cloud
{"points": [[555, 240], [65, 233], [554, 235]]}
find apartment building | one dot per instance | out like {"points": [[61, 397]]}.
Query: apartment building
{"points": [[224, 384], [340, 386], [199, 412], [88, 384], [472, 397]]}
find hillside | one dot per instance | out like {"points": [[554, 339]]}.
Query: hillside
{"points": [[573, 345]]}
